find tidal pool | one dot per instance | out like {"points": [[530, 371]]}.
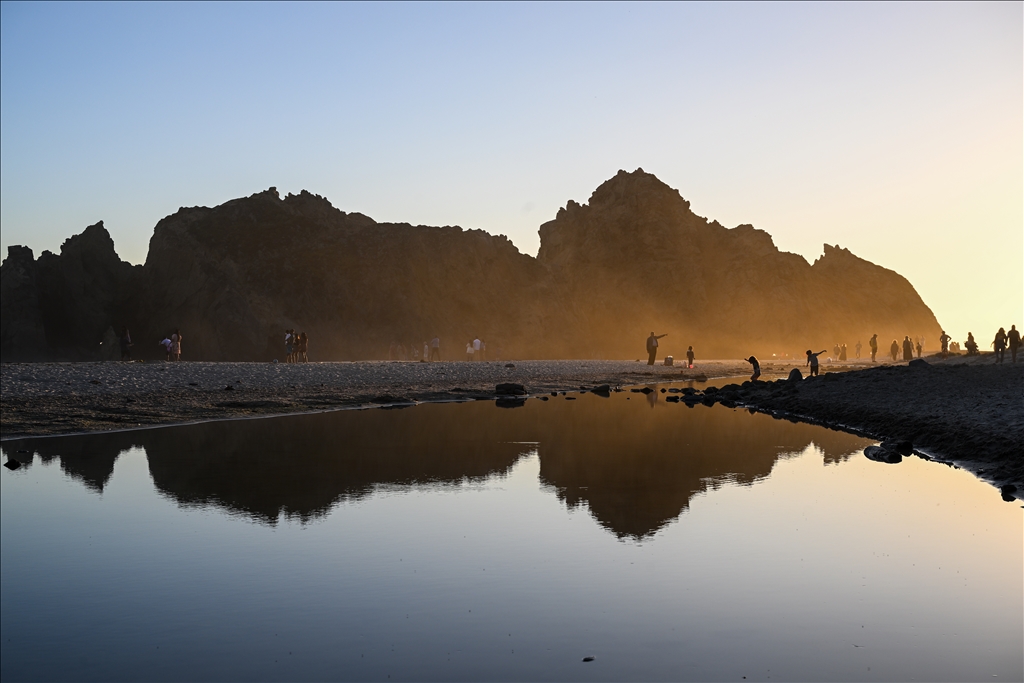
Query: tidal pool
{"points": [[470, 542]]}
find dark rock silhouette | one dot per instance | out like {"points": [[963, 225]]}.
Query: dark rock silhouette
{"points": [[634, 258]]}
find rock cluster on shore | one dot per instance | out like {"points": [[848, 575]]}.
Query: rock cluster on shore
{"points": [[633, 259]]}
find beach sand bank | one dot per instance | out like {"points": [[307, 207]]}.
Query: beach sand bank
{"points": [[969, 411]]}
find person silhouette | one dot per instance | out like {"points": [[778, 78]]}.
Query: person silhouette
{"points": [[689, 357], [908, 348], [812, 360], [652, 347], [1000, 345], [944, 340], [857, 348], [971, 345], [1013, 338], [757, 368], [873, 344], [894, 350], [435, 348]]}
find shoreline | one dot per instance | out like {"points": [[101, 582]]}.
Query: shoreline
{"points": [[968, 413]]}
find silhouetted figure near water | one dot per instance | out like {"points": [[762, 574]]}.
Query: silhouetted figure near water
{"points": [[757, 368], [908, 348], [857, 348], [435, 348], [126, 344], [842, 352], [919, 346], [166, 343], [689, 357], [873, 343], [999, 343], [812, 360], [894, 350], [652, 347], [1013, 338], [302, 347], [944, 340], [971, 345]]}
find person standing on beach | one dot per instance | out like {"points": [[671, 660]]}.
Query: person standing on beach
{"points": [[908, 348], [303, 346], [919, 346], [689, 357], [857, 348], [652, 347], [842, 352], [477, 355], [435, 348], [166, 343], [1000, 345], [812, 360], [757, 368], [944, 340], [873, 343], [176, 345], [1013, 338], [126, 344], [894, 350]]}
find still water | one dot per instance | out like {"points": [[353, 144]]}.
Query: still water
{"points": [[470, 542]]}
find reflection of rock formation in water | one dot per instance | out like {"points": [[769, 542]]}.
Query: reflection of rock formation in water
{"points": [[634, 258], [635, 468]]}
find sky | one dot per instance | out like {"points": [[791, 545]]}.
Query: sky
{"points": [[894, 130]]}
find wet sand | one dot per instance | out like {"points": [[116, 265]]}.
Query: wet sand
{"points": [[967, 411], [39, 399]]}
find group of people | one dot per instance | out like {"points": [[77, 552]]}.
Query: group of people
{"points": [[652, 350], [476, 349], [296, 344], [431, 351], [172, 345], [1004, 340]]}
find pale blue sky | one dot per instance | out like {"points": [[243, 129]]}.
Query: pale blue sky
{"points": [[891, 129]]}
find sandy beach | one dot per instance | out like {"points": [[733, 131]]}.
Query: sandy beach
{"points": [[966, 411]]}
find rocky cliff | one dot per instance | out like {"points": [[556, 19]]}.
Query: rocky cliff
{"points": [[634, 259]]}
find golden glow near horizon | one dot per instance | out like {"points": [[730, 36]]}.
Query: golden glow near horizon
{"points": [[894, 130]]}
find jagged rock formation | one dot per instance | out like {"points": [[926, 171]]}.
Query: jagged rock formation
{"points": [[632, 260], [63, 306]]}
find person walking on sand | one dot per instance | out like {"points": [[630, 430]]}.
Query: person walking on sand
{"points": [[1000, 345], [944, 340], [689, 357], [873, 344], [756, 366], [126, 344], [652, 347], [435, 348], [176, 345], [812, 360], [1013, 339], [857, 348], [908, 348]]}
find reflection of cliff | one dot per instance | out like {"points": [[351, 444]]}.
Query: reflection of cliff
{"points": [[635, 468], [633, 259]]}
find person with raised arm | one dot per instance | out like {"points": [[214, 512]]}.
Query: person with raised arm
{"points": [[652, 347], [812, 360]]}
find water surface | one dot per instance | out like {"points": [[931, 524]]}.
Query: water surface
{"points": [[469, 542]]}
